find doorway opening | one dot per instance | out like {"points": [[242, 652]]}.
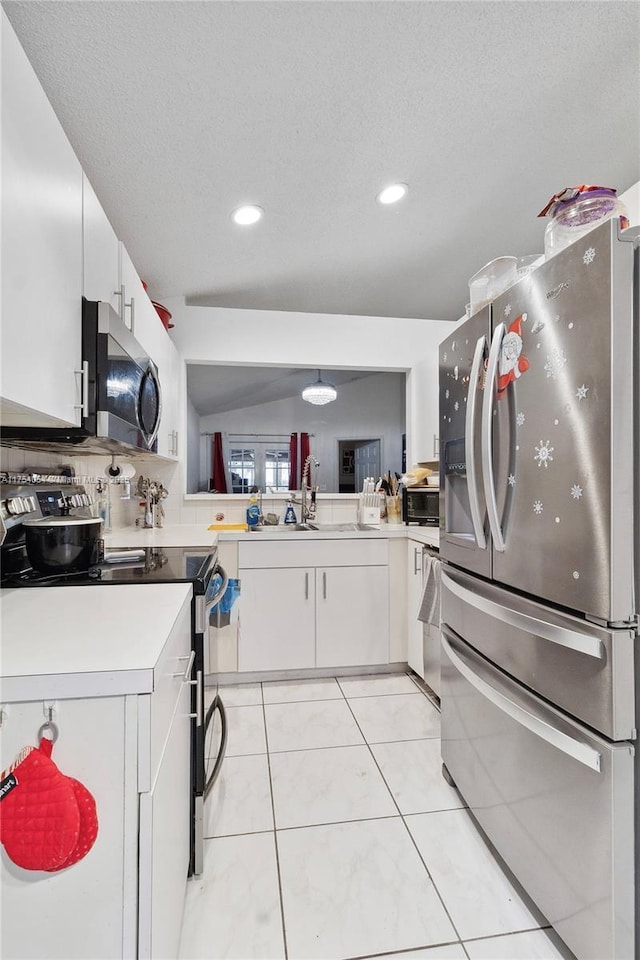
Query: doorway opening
{"points": [[357, 460]]}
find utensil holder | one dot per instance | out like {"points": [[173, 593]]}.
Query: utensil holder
{"points": [[394, 509]]}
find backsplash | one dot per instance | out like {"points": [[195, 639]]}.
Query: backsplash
{"points": [[204, 508]]}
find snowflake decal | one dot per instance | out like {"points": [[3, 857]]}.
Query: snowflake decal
{"points": [[453, 345], [455, 372], [537, 327], [589, 256], [555, 363], [581, 392], [543, 454], [507, 310], [537, 507], [576, 491], [446, 394], [520, 419], [456, 405], [512, 480], [444, 357]]}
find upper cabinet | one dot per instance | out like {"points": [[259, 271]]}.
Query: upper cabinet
{"points": [[41, 252], [100, 251]]}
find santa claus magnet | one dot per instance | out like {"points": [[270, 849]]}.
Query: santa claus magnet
{"points": [[512, 363]]}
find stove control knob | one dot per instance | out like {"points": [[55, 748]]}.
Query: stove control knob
{"points": [[32, 504], [14, 506]]}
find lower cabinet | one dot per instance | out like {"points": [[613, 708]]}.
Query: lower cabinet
{"points": [[415, 653], [321, 604], [352, 616], [277, 619], [125, 898]]}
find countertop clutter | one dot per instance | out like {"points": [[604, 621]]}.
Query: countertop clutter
{"points": [[89, 641]]}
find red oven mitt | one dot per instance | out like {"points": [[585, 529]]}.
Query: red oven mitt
{"points": [[39, 816], [52, 821]]}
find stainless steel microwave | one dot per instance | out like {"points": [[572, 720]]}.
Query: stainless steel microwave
{"points": [[421, 505], [121, 396]]}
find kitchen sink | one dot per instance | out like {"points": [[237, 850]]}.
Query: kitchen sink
{"points": [[314, 526]]}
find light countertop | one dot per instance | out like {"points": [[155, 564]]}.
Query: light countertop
{"points": [[88, 641], [171, 535], [198, 535]]}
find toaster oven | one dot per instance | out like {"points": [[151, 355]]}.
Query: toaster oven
{"points": [[421, 505]]}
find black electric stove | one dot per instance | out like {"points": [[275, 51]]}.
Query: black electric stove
{"points": [[134, 565]]}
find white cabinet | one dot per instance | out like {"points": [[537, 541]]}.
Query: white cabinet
{"points": [[41, 252], [100, 251], [352, 616], [169, 365], [277, 626], [125, 898], [313, 604], [164, 841], [423, 426], [415, 655]]}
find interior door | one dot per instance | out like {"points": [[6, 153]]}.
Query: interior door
{"points": [[464, 536], [558, 413], [367, 461]]}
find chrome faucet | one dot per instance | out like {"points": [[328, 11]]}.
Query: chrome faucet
{"points": [[308, 511]]}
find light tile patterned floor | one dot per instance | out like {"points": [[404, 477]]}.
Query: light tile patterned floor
{"points": [[332, 835]]}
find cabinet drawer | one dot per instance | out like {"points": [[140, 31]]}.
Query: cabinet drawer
{"points": [[320, 553], [155, 710], [555, 800]]}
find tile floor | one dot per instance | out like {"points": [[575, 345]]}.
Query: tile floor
{"points": [[333, 835]]}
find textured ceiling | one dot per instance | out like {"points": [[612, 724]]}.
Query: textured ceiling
{"points": [[180, 111]]}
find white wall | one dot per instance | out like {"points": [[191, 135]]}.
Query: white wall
{"points": [[262, 337], [193, 448], [631, 200], [370, 408]]}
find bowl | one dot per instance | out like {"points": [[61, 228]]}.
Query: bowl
{"points": [[164, 315], [492, 280]]}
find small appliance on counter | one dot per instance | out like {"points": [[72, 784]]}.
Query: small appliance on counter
{"points": [[30, 504], [421, 505]]}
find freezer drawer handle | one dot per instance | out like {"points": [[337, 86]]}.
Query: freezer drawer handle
{"points": [[472, 480], [564, 637], [487, 439], [581, 752]]}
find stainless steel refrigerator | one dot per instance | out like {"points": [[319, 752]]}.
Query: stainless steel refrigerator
{"points": [[539, 537]]}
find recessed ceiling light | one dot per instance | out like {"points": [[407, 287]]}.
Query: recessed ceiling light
{"points": [[247, 215], [393, 193]]}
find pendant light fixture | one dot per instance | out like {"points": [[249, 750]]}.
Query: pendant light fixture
{"points": [[319, 392]]}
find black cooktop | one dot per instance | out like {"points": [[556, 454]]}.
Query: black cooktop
{"points": [[157, 565]]}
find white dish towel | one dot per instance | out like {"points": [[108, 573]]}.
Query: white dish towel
{"points": [[429, 609]]}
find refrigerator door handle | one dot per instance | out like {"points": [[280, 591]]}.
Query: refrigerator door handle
{"points": [[487, 439], [581, 752], [470, 419], [563, 636]]}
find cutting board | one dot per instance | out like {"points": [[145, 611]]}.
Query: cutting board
{"points": [[227, 526]]}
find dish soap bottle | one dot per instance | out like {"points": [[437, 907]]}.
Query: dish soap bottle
{"points": [[253, 512], [289, 516]]}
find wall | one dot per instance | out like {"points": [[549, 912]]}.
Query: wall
{"points": [[261, 337], [193, 448], [370, 408], [631, 200]]}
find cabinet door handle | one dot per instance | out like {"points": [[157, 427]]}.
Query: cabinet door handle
{"points": [[416, 566], [132, 306], [324, 584], [84, 374], [197, 683], [175, 443], [186, 676], [306, 586]]}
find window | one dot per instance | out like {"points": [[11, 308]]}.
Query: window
{"points": [[266, 468]]}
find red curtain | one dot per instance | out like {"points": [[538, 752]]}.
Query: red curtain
{"points": [[293, 462], [304, 453], [218, 478]]}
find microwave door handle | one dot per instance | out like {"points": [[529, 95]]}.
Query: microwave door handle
{"points": [[486, 441], [472, 480]]}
